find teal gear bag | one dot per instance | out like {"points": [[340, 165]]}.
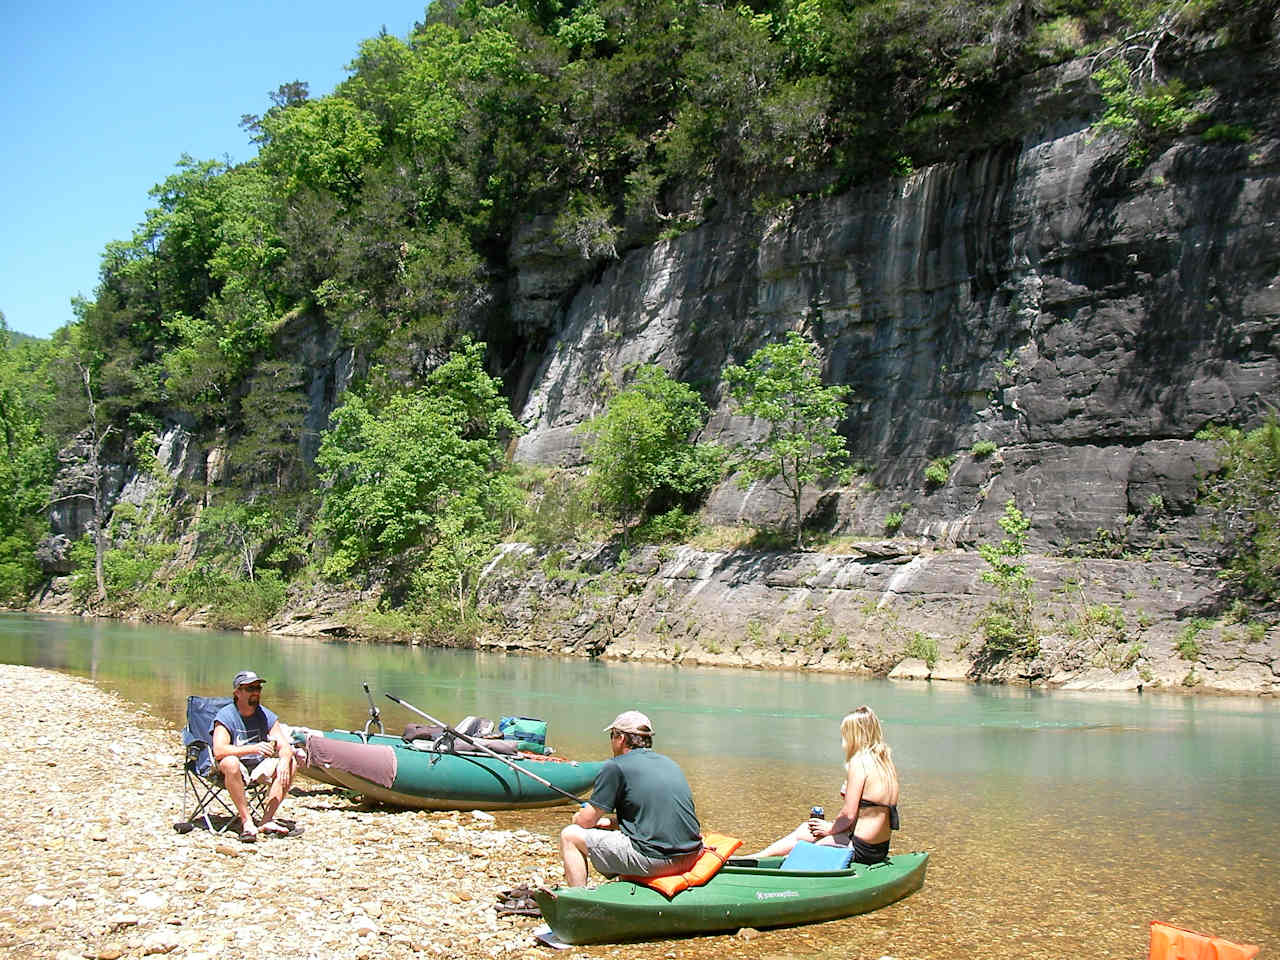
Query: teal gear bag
{"points": [[528, 729]]}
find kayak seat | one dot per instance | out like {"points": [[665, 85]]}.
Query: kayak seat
{"points": [[716, 849], [209, 802], [817, 858]]}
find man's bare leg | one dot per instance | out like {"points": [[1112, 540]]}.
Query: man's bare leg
{"points": [[573, 851], [231, 776], [281, 781]]}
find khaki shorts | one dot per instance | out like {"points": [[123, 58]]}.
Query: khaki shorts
{"points": [[613, 854], [262, 770]]}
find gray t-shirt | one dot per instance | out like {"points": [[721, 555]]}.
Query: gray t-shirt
{"points": [[653, 802]]}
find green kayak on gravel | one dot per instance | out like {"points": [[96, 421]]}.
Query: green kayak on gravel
{"points": [[386, 769], [745, 893]]}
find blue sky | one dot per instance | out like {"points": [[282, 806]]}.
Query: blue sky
{"points": [[99, 100]]}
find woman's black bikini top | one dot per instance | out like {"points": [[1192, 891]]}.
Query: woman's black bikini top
{"points": [[891, 807]]}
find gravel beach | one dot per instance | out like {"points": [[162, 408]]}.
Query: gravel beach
{"points": [[93, 868]]}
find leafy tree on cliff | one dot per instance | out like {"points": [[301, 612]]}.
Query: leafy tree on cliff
{"points": [[1245, 498], [99, 410], [1009, 623], [26, 464], [269, 451], [781, 386], [262, 512], [424, 470], [269, 531], [642, 450], [321, 144]]}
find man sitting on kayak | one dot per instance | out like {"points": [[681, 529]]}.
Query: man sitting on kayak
{"points": [[655, 832]]}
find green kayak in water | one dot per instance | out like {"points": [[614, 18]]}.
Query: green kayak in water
{"points": [[745, 893], [385, 768]]}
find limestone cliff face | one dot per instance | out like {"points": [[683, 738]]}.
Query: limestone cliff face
{"points": [[1085, 316], [877, 610]]}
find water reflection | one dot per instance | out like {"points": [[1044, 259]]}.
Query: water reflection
{"points": [[1058, 824]]}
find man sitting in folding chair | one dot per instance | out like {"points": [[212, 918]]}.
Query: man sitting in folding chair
{"points": [[250, 744]]}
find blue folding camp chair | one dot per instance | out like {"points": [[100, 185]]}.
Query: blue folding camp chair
{"points": [[210, 804]]}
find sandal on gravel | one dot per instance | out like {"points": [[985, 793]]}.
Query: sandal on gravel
{"points": [[518, 901], [248, 836], [280, 828]]}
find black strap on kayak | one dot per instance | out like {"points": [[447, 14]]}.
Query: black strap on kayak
{"points": [[483, 749]]}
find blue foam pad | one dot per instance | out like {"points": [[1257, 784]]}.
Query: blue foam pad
{"points": [[815, 858]]}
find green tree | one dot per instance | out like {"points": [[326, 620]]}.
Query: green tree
{"points": [[465, 538], [781, 385], [26, 463], [392, 472], [267, 531], [1143, 112], [1009, 623], [1244, 495], [272, 414], [320, 144], [642, 450], [100, 411], [740, 117]]}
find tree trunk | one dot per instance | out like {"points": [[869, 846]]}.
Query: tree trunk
{"points": [[798, 520], [246, 548], [96, 442], [100, 549]]}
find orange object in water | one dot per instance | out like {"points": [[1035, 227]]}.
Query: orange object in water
{"points": [[1173, 943], [717, 848]]}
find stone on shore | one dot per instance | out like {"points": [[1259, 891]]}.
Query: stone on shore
{"points": [[910, 669]]}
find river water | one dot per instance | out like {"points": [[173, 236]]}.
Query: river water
{"points": [[1058, 825]]}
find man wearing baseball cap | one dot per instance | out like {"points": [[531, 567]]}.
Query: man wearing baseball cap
{"points": [[655, 831], [249, 744]]}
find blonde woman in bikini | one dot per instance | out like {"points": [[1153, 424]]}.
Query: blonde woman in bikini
{"points": [[869, 812]]}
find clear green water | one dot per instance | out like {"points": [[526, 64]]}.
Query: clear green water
{"points": [[1057, 824]]}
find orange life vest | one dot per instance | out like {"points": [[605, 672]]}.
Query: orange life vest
{"points": [[1173, 943], [716, 849]]}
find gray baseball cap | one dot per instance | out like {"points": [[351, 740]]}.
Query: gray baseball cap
{"points": [[246, 677]]}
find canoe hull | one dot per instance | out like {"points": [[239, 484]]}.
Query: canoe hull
{"points": [[426, 780], [738, 896]]}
